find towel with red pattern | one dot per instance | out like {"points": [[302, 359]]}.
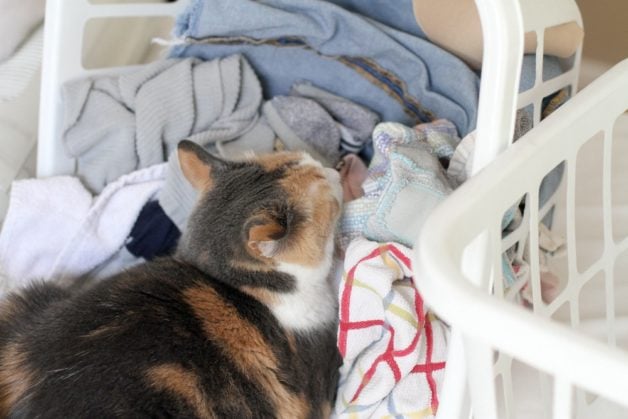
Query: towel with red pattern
{"points": [[394, 350]]}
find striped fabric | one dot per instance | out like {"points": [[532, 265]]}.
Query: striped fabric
{"points": [[17, 71], [393, 349]]}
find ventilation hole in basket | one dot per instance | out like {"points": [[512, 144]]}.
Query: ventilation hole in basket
{"points": [[559, 49], [590, 398], [619, 178], [554, 101], [514, 236], [528, 68], [513, 217], [530, 384], [107, 42], [524, 121], [589, 221], [553, 263], [592, 307], [620, 296], [562, 313], [585, 398]]}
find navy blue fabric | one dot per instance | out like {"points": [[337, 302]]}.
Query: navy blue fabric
{"points": [[154, 234]]}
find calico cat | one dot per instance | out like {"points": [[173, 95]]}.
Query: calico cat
{"points": [[239, 323]]}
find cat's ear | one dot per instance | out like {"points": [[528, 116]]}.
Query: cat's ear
{"points": [[264, 234], [197, 165]]}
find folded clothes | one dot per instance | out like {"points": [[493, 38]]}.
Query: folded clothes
{"points": [[406, 180], [70, 232], [116, 124], [394, 350], [396, 74]]}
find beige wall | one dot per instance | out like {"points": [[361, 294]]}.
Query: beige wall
{"points": [[606, 29]]}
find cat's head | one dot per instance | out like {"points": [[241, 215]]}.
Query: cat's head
{"points": [[261, 214]]}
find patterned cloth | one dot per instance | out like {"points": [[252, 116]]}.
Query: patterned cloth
{"points": [[405, 182], [394, 351]]}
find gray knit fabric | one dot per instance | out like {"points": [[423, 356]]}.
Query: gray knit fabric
{"points": [[356, 122], [114, 125], [303, 124], [523, 122], [325, 125]]}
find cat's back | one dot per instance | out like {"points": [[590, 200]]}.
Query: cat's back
{"points": [[162, 340]]}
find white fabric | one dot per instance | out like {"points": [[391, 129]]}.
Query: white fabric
{"points": [[461, 162], [394, 351], [17, 71], [17, 19], [55, 228]]}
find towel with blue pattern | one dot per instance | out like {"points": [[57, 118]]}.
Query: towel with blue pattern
{"points": [[405, 182]]}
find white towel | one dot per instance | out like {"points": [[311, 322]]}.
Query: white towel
{"points": [[55, 228], [394, 351]]}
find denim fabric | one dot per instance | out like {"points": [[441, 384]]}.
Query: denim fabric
{"points": [[398, 75], [551, 69], [397, 14]]}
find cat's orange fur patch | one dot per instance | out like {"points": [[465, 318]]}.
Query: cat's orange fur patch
{"points": [[292, 341], [196, 171], [267, 231], [263, 295], [15, 377], [308, 190], [259, 265], [326, 410], [243, 343], [274, 161], [183, 384]]}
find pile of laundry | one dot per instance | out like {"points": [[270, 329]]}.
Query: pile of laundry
{"points": [[358, 85]]}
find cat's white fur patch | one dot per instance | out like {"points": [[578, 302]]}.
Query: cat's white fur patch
{"points": [[313, 304], [307, 160], [333, 177]]}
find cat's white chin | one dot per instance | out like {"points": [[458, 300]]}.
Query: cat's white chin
{"points": [[312, 305]]}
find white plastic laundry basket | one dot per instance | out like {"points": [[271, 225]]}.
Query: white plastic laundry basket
{"points": [[459, 269], [64, 38], [482, 321]]}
